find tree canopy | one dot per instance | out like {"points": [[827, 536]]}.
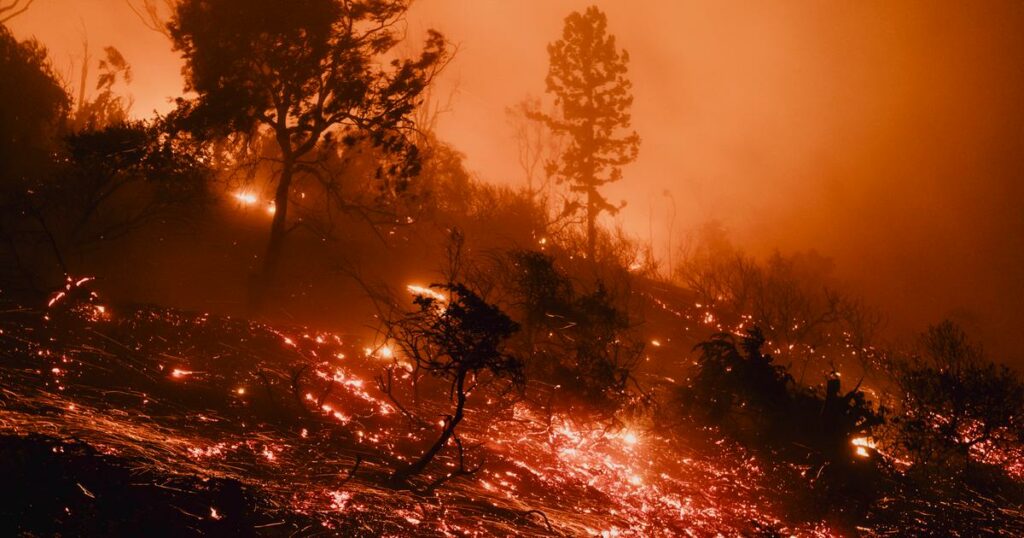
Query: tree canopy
{"points": [[312, 72], [33, 106]]}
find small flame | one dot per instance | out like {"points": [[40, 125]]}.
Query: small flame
{"points": [[245, 197]]}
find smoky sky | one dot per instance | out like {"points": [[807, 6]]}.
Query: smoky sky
{"points": [[887, 135]]}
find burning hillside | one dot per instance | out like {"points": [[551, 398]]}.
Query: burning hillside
{"points": [[296, 421], [223, 425]]}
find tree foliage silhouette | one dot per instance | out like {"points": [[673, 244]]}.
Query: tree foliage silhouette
{"points": [[461, 340], [312, 72], [33, 107], [587, 76], [577, 339], [956, 401]]}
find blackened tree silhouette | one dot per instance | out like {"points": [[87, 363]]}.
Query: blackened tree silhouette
{"points": [[309, 72], [580, 341], [736, 379], [33, 107], [587, 76], [957, 404], [459, 338]]}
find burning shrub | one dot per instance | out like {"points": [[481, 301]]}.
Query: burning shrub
{"points": [[740, 387], [957, 405], [456, 336], [580, 342]]}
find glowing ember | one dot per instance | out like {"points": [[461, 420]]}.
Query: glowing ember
{"points": [[862, 445], [245, 197], [426, 292]]}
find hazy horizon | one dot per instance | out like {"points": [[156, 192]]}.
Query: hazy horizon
{"points": [[888, 136]]}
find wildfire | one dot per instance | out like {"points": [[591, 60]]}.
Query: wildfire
{"points": [[861, 446], [245, 197], [426, 292], [248, 198]]}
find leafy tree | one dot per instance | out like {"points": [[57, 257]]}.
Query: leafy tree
{"points": [[33, 110], [126, 175], [587, 76], [578, 340], [33, 107], [113, 182], [458, 337], [107, 108], [307, 71], [733, 374]]}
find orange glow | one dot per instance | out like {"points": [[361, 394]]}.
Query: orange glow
{"points": [[246, 197]]}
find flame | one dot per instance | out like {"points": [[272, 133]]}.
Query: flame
{"points": [[426, 292], [862, 444], [245, 197]]}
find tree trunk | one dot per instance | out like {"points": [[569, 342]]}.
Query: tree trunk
{"points": [[417, 467], [265, 280], [592, 210]]}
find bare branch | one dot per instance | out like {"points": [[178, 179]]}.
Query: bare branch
{"points": [[149, 13], [9, 10]]}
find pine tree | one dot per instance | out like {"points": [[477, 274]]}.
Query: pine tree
{"points": [[587, 76]]}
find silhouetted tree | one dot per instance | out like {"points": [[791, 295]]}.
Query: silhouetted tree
{"points": [[741, 375], [125, 175], [107, 108], [306, 70], [587, 75], [736, 379], [461, 339], [33, 107], [956, 401], [33, 113], [153, 14], [794, 298], [580, 341]]}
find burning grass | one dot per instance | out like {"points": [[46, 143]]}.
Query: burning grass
{"points": [[246, 428]]}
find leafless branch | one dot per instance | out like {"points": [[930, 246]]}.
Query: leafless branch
{"points": [[13, 8], [149, 13]]}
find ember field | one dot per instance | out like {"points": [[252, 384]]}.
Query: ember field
{"points": [[127, 420], [198, 404]]}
